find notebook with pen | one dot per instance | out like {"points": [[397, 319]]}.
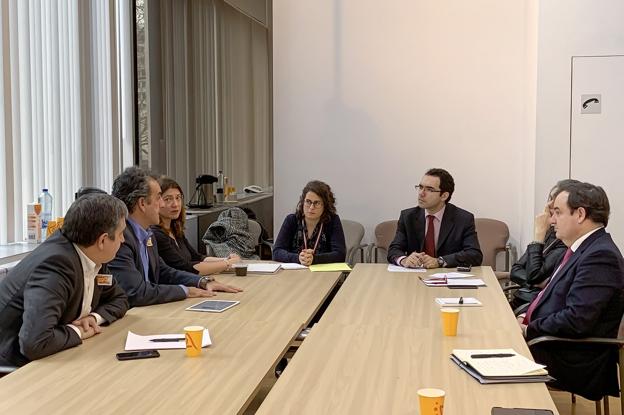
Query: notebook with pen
{"points": [[453, 282], [499, 366], [458, 302]]}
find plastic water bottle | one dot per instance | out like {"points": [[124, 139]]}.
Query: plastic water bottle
{"points": [[45, 199], [220, 183]]}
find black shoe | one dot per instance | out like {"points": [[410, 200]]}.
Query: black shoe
{"points": [[279, 369]]}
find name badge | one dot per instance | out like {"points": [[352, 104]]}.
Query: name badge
{"points": [[149, 242], [104, 279]]}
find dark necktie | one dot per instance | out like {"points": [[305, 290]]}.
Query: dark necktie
{"points": [[430, 237], [527, 316]]}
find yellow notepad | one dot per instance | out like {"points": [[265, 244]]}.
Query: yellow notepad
{"points": [[336, 266]]}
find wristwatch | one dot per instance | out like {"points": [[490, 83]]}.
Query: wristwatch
{"points": [[441, 262], [203, 282]]}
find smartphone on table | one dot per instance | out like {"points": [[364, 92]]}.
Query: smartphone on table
{"points": [[140, 354]]}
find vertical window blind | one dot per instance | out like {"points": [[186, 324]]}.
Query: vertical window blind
{"points": [[66, 110]]}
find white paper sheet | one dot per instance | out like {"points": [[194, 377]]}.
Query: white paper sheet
{"points": [[452, 275], [263, 268], [516, 365], [138, 342], [476, 282], [293, 265], [454, 302], [396, 268]]}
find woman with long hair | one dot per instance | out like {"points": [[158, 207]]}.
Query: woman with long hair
{"points": [[313, 234], [173, 247]]}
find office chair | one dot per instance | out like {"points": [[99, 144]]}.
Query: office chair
{"points": [[617, 342], [354, 232], [384, 234], [493, 238]]}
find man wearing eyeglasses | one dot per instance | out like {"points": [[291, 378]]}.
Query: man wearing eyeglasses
{"points": [[436, 233]]}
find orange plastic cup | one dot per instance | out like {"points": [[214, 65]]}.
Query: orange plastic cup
{"points": [[450, 317], [431, 401], [194, 336]]}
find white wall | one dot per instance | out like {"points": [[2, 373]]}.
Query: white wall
{"points": [[567, 28], [369, 95]]}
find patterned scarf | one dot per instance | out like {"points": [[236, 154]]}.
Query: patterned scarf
{"points": [[230, 233]]}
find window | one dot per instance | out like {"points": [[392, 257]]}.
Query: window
{"points": [[66, 114]]}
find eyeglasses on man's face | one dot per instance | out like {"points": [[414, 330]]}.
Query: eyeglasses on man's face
{"points": [[427, 189], [169, 199], [313, 203]]}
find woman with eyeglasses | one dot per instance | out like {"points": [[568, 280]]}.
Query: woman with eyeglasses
{"points": [[173, 247], [313, 234]]}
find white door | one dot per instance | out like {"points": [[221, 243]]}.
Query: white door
{"points": [[597, 131]]}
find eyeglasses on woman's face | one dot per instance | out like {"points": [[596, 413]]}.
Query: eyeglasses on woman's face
{"points": [[312, 203]]}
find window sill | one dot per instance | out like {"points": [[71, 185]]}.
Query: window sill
{"points": [[15, 251]]}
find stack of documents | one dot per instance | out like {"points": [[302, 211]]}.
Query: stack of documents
{"points": [[396, 268], [263, 268], [292, 265], [458, 302], [453, 281], [499, 366]]}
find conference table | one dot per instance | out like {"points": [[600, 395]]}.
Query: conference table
{"points": [[380, 340], [247, 341]]}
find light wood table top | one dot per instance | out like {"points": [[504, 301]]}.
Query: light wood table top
{"points": [[381, 340], [288, 294], [246, 346]]}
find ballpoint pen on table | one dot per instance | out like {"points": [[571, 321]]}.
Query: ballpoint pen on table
{"points": [[489, 355], [174, 339], [461, 300]]}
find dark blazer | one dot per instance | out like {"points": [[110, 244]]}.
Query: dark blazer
{"points": [[537, 264], [41, 295], [583, 300], [164, 282], [331, 247], [178, 254], [457, 241]]}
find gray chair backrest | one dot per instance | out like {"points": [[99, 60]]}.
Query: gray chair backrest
{"points": [[493, 236], [384, 234], [354, 232]]}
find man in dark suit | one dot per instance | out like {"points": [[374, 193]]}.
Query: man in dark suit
{"points": [[583, 297], [138, 268], [435, 233], [61, 294]]}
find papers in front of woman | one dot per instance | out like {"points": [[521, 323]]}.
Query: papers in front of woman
{"points": [[396, 268], [292, 265]]}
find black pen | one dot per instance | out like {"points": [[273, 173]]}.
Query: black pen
{"points": [[461, 300], [173, 339], [487, 356]]}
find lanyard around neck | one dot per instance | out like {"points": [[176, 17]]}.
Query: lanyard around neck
{"points": [[305, 236]]}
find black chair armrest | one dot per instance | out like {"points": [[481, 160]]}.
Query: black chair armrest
{"points": [[523, 308], [511, 286], [585, 340]]}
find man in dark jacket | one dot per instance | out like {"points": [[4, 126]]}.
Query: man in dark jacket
{"points": [[583, 297], [138, 268], [60, 294], [436, 233]]}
